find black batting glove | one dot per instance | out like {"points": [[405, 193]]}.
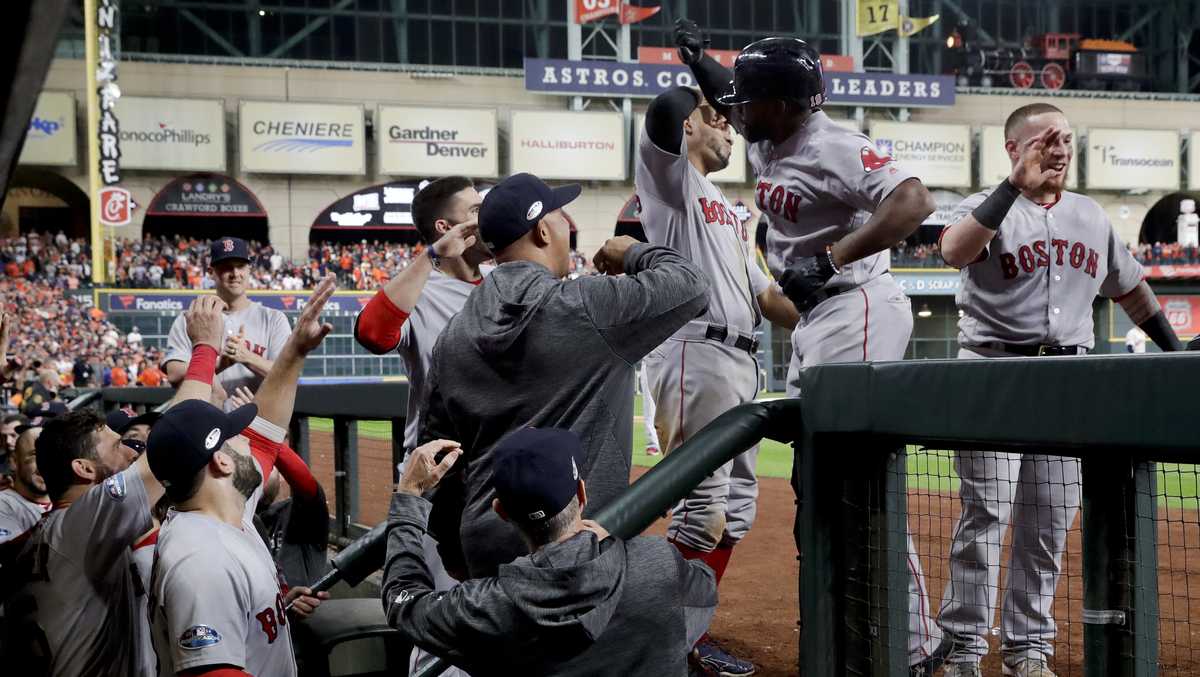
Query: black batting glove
{"points": [[690, 40], [804, 277]]}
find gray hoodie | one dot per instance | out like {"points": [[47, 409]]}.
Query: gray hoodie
{"points": [[579, 607], [529, 349]]}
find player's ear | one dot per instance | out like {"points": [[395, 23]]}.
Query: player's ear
{"points": [[499, 509], [442, 226], [581, 493], [1010, 146], [221, 463], [84, 470], [543, 233]]}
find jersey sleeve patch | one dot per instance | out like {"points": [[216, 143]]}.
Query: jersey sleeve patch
{"points": [[199, 637], [115, 487], [872, 160]]}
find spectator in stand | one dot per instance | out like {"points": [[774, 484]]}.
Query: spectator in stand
{"points": [[134, 338], [43, 390], [151, 376], [24, 503], [120, 377], [81, 373]]}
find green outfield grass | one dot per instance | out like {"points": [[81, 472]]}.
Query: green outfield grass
{"points": [[930, 470]]}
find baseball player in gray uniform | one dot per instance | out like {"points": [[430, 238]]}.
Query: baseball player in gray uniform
{"points": [[24, 503], [1033, 259], [217, 603], [709, 365], [254, 334], [834, 207], [413, 308]]}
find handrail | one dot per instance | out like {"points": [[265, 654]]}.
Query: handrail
{"points": [[682, 470]]}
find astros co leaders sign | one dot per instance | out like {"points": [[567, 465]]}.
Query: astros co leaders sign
{"points": [[301, 138], [436, 141]]}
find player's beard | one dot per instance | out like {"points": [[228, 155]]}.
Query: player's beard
{"points": [[246, 477], [721, 151]]}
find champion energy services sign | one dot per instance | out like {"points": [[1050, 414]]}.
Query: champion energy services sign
{"points": [[187, 134], [50, 139], [612, 78], [301, 138], [568, 145], [437, 141], [940, 155], [1120, 159], [994, 165]]}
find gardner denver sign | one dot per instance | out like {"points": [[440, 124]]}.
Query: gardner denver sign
{"points": [[436, 141]]}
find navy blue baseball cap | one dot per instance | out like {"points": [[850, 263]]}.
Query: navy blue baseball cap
{"points": [[536, 472], [121, 420], [187, 436], [227, 248], [515, 205]]}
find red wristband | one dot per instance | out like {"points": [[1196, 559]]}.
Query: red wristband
{"points": [[203, 364]]}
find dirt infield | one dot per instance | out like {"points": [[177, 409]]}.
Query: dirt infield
{"points": [[759, 607]]}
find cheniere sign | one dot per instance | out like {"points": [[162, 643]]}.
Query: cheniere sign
{"points": [[611, 78]]}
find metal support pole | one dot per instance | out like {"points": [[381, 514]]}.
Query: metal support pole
{"points": [[397, 447], [1120, 568], [345, 472], [574, 47], [298, 432]]}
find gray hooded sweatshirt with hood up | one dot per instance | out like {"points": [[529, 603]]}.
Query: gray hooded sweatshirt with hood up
{"points": [[532, 350], [577, 607]]}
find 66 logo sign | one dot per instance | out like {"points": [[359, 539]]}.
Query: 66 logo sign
{"points": [[116, 206]]}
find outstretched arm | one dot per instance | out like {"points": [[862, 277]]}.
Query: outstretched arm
{"points": [[712, 77], [1142, 307]]}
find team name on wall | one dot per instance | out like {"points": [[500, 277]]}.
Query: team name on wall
{"points": [[611, 78]]}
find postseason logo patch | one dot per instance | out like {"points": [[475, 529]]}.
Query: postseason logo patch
{"points": [[199, 637], [115, 486]]}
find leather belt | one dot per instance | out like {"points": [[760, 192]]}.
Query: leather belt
{"points": [[1035, 349], [824, 294], [720, 334]]}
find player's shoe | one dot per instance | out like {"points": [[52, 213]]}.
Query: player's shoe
{"points": [[962, 670], [1029, 667], [721, 662], [652, 450]]}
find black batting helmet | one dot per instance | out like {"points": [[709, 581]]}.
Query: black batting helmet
{"points": [[776, 68]]}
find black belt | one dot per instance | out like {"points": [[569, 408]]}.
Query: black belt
{"points": [[719, 333], [1035, 349], [826, 293]]}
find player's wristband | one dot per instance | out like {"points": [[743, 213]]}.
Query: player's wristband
{"points": [[1158, 328], [991, 213], [203, 364], [433, 257]]}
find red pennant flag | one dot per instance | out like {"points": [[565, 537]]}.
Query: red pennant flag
{"points": [[631, 14]]}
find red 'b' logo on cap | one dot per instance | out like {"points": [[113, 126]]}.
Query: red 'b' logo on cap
{"points": [[227, 245]]}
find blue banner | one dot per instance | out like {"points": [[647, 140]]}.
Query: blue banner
{"points": [[611, 78], [175, 302], [932, 283]]}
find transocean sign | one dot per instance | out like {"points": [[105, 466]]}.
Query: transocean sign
{"points": [[301, 138], [427, 142], [611, 78]]}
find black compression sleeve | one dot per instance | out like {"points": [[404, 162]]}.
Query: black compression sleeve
{"points": [[713, 78], [665, 116], [1158, 328]]}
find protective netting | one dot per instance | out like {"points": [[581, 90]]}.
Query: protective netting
{"points": [[1178, 532]]}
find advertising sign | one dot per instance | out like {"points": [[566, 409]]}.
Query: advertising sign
{"points": [[1121, 159], [301, 138], [184, 134], [386, 205], [430, 142], [1183, 312], [612, 78], [135, 301], [734, 173], [205, 195], [51, 136], [116, 206], [939, 154], [725, 57], [568, 145], [994, 165]]}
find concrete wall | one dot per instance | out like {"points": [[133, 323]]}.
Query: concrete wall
{"points": [[293, 202]]}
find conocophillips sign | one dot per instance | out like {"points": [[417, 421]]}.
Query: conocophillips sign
{"points": [[301, 138], [436, 141], [172, 133]]}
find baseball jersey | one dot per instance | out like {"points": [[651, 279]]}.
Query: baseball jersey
{"points": [[683, 210], [1036, 280], [818, 186], [18, 514], [267, 330], [440, 300], [216, 596], [82, 580]]}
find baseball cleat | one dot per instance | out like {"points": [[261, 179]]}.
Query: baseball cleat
{"points": [[962, 670], [652, 450], [720, 662], [1028, 667]]}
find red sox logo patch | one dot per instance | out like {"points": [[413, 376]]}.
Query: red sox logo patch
{"points": [[872, 161]]}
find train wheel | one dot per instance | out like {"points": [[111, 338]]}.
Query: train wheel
{"points": [[1021, 76], [1053, 76]]}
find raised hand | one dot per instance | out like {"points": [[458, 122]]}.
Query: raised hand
{"points": [[1031, 172], [690, 41], [235, 346], [423, 471], [454, 242], [309, 330], [205, 321]]}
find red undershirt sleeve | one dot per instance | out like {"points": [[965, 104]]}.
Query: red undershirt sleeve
{"points": [[296, 473], [265, 440], [377, 326], [217, 671]]}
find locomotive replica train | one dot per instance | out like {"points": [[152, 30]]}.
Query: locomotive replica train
{"points": [[1046, 61]]}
